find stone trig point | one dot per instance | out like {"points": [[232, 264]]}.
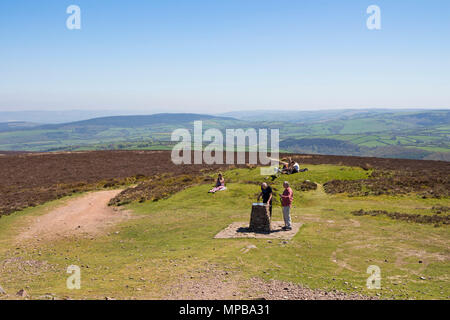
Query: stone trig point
{"points": [[260, 218], [261, 226]]}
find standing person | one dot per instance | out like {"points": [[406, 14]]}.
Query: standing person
{"points": [[286, 201], [266, 194]]}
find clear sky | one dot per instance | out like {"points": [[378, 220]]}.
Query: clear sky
{"points": [[215, 56]]}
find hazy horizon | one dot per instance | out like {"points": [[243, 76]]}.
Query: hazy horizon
{"points": [[66, 116], [136, 111]]}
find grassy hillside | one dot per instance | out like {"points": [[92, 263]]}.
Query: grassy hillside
{"points": [[170, 241]]}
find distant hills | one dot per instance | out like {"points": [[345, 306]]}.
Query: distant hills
{"points": [[64, 116], [139, 121], [16, 125], [313, 116], [415, 134]]}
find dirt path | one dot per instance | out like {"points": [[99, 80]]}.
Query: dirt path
{"points": [[213, 283], [87, 215]]}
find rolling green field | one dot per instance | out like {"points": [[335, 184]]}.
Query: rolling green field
{"points": [[414, 135], [170, 240]]}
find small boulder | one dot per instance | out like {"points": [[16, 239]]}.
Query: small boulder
{"points": [[22, 293]]}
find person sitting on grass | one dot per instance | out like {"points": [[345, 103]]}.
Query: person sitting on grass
{"points": [[294, 167], [286, 165], [266, 194], [220, 184]]}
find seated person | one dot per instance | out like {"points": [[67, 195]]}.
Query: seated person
{"points": [[220, 184], [295, 167], [286, 165]]}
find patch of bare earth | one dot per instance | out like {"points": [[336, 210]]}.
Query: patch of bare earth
{"points": [[213, 283], [33, 267], [209, 284], [241, 230], [87, 215], [283, 290]]}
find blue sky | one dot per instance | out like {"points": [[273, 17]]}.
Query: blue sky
{"points": [[215, 56]]}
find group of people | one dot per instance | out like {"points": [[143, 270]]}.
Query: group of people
{"points": [[286, 198], [290, 167]]}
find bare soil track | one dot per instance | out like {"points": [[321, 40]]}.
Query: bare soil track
{"points": [[87, 215]]}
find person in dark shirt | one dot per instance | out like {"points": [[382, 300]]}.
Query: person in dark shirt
{"points": [[266, 194]]}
